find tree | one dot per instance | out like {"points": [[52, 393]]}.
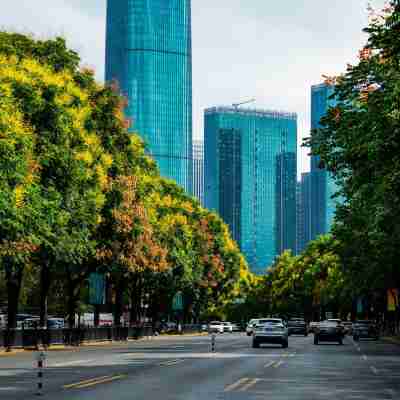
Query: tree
{"points": [[359, 143]]}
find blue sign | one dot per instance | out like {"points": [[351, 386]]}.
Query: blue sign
{"points": [[97, 289]]}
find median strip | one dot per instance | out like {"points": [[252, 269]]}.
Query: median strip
{"points": [[93, 381]]}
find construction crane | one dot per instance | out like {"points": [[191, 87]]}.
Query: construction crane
{"points": [[237, 105]]}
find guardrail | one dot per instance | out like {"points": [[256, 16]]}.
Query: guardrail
{"points": [[32, 338]]}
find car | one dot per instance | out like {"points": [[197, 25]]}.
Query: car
{"points": [[227, 327], [335, 320], [252, 324], [328, 331], [348, 327], [297, 326], [216, 327], [236, 328], [271, 331], [312, 326], [3, 321], [365, 330], [55, 323]]}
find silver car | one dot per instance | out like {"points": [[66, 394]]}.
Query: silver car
{"points": [[272, 331]]}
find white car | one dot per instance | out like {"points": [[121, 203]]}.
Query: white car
{"points": [[216, 327], [252, 324], [228, 327], [271, 330]]}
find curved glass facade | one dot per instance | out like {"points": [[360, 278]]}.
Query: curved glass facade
{"points": [[148, 52], [250, 178]]}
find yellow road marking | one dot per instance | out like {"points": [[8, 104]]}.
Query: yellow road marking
{"points": [[171, 362], [270, 364], [98, 382], [248, 385], [235, 385], [285, 355], [71, 385], [278, 364]]}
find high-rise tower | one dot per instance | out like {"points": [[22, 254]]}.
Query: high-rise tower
{"points": [[250, 178], [323, 186], [149, 54]]}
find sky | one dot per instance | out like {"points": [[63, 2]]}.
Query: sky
{"points": [[269, 50]]}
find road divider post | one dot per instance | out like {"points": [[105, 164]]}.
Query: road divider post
{"points": [[213, 336], [40, 359]]}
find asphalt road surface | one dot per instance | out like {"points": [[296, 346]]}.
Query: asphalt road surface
{"points": [[173, 368]]}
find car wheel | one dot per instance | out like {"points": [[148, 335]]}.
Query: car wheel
{"points": [[340, 341], [356, 338], [305, 333], [315, 339], [255, 344], [285, 345], [248, 333]]}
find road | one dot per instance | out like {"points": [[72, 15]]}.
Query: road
{"points": [[173, 368]]}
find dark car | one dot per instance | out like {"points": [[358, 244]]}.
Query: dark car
{"points": [[329, 331], [365, 330], [297, 326]]}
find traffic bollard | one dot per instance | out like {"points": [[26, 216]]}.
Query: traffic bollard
{"points": [[41, 357], [213, 343]]}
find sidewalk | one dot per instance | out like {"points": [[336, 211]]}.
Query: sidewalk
{"points": [[61, 347], [392, 339]]}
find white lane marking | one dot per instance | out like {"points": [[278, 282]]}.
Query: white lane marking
{"points": [[10, 389], [364, 357], [236, 384], [9, 373], [69, 363], [374, 370], [249, 384], [269, 364]]}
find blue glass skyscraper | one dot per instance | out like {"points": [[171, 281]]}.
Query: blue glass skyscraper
{"points": [[304, 212], [323, 186], [149, 54], [250, 178]]}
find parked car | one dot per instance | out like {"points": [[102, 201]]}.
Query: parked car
{"points": [[55, 323], [271, 331], [216, 327], [3, 321], [348, 327], [297, 326], [328, 331], [228, 327], [236, 328], [312, 326], [365, 330]]}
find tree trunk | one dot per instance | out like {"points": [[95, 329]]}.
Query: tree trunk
{"points": [[73, 295], [119, 297], [14, 280], [45, 281]]}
